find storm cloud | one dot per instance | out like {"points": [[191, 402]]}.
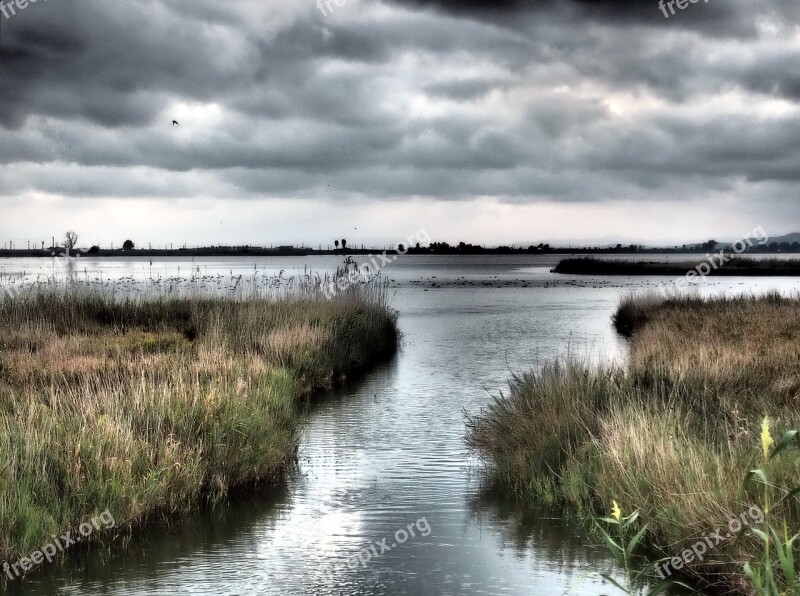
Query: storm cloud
{"points": [[443, 100]]}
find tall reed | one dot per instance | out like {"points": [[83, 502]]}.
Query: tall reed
{"points": [[668, 433], [154, 402]]}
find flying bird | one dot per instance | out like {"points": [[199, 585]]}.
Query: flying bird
{"points": [[174, 123]]}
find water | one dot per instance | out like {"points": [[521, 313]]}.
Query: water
{"points": [[388, 451]]}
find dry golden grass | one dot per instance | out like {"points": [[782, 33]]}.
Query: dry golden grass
{"points": [[754, 339], [143, 407], [672, 434], [286, 343]]}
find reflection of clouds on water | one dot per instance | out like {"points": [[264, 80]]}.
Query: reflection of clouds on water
{"points": [[384, 451], [549, 537]]}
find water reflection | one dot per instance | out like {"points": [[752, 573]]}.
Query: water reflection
{"points": [[555, 537], [382, 453]]}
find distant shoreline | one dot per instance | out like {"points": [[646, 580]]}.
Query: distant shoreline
{"points": [[739, 267], [306, 252]]}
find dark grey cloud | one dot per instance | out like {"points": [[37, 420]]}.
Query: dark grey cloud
{"points": [[464, 89], [524, 101], [715, 17]]}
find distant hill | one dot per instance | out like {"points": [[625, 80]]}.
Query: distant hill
{"points": [[790, 238]]}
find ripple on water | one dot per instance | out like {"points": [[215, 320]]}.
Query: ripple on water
{"points": [[384, 452]]}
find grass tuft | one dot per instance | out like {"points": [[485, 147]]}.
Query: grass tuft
{"points": [[156, 404], [671, 434]]}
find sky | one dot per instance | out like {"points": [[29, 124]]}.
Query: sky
{"points": [[496, 122]]}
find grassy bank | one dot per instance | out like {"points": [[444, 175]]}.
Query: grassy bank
{"points": [[156, 405], [739, 266], [672, 434]]}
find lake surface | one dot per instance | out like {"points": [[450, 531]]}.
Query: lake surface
{"points": [[387, 452]]}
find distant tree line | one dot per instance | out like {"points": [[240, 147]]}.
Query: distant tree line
{"points": [[779, 247], [70, 246]]}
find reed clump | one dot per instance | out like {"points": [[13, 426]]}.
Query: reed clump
{"points": [[154, 405], [670, 434], [733, 266]]}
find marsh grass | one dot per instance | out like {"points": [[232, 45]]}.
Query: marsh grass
{"points": [[736, 266], [155, 403], [671, 434]]}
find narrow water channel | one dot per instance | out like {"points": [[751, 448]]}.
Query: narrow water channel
{"points": [[386, 454]]}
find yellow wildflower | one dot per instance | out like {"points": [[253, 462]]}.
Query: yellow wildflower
{"points": [[616, 512], [766, 438]]}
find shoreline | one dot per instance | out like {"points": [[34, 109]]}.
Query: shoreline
{"points": [[671, 434], [153, 408], [310, 252], [737, 267]]}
